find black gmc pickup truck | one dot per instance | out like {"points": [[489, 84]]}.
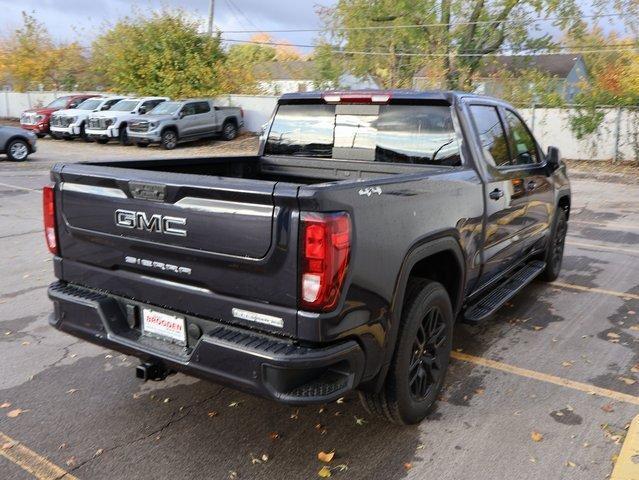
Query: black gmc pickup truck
{"points": [[339, 258]]}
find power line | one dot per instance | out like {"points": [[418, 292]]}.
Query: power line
{"points": [[438, 24], [536, 51]]}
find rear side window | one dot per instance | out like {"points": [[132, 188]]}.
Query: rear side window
{"points": [[491, 134], [202, 107], [151, 104], [407, 134], [522, 144]]}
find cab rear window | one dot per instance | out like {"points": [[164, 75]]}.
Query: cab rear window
{"points": [[408, 134]]}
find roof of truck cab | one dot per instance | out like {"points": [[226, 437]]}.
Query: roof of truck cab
{"points": [[449, 96]]}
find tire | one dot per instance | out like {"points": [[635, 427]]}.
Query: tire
{"points": [[555, 249], [102, 141], [141, 144], [55, 136], [416, 374], [41, 135], [68, 139], [83, 134], [169, 139], [123, 137], [229, 131], [18, 150]]}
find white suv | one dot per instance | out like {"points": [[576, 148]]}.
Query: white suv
{"points": [[104, 126], [72, 123]]}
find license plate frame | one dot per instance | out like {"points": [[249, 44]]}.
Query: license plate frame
{"points": [[163, 326]]}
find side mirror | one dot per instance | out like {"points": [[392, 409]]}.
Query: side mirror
{"points": [[105, 107], [181, 114], [553, 158], [142, 110]]}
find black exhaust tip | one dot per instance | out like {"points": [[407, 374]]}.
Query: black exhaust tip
{"points": [[151, 371]]}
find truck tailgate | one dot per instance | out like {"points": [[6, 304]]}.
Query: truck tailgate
{"points": [[216, 234]]}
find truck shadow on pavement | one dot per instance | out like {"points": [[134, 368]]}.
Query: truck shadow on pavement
{"points": [[184, 428]]}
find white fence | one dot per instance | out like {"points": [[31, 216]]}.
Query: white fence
{"points": [[616, 138]]}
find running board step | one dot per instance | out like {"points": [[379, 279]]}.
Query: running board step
{"points": [[489, 304]]}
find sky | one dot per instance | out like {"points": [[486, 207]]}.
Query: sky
{"points": [[84, 19], [74, 19]]}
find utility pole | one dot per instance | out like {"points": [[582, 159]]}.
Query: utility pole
{"points": [[211, 11]]}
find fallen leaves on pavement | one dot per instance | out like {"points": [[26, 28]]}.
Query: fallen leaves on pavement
{"points": [[5, 405], [16, 413], [628, 381], [536, 436], [326, 457], [608, 408]]}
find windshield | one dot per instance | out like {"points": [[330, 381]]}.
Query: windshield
{"points": [[166, 108], [90, 104], [58, 103], [125, 106], [416, 134]]}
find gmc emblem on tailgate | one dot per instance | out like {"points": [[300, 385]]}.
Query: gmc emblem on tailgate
{"points": [[154, 223]]}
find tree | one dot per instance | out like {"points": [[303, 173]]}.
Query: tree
{"points": [[328, 67], [453, 36], [29, 58], [162, 53]]}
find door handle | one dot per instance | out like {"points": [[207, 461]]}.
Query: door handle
{"points": [[496, 194], [531, 185]]}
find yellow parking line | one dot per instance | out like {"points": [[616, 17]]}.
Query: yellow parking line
{"points": [[617, 225], [614, 293], [598, 246], [627, 465], [28, 460], [544, 377]]}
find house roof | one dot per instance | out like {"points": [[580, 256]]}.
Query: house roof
{"points": [[556, 64], [289, 70]]}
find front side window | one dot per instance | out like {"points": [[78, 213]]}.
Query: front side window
{"points": [[491, 134], [188, 109], [408, 134], [522, 144]]}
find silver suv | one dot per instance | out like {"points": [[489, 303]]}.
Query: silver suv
{"points": [[173, 122]]}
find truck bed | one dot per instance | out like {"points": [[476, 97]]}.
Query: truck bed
{"points": [[299, 170]]}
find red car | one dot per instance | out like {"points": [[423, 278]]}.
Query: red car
{"points": [[37, 120]]}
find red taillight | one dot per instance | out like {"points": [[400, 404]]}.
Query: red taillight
{"points": [[325, 250], [48, 210]]}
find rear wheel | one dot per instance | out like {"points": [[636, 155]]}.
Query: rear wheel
{"points": [[229, 131], [416, 374], [102, 141], [555, 249], [18, 150], [169, 139]]}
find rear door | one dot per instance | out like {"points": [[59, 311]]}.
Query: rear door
{"points": [[527, 155], [506, 200], [204, 118]]}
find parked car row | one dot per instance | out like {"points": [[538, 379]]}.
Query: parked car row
{"points": [[140, 120]]}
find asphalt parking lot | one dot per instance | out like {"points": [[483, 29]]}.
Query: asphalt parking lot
{"points": [[544, 390]]}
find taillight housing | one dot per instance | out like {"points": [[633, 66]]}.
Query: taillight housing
{"points": [[48, 210], [325, 252]]}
